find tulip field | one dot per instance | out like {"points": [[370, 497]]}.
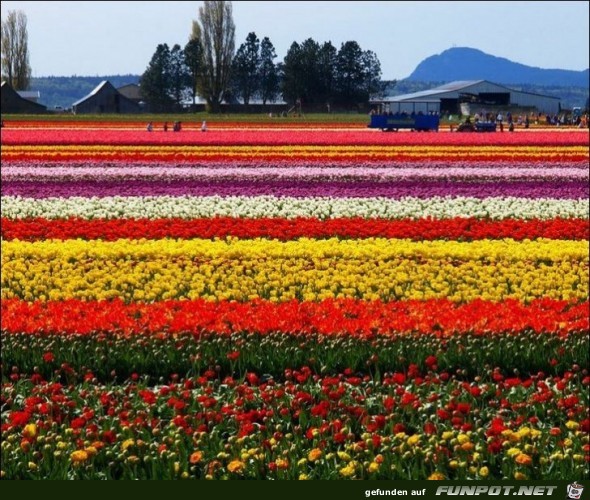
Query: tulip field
{"points": [[294, 303]]}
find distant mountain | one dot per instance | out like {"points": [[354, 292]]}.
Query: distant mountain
{"points": [[463, 63], [63, 91]]}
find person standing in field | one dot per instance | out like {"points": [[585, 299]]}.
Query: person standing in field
{"points": [[499, 120]]}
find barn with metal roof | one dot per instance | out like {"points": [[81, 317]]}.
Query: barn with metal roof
{"points": [[105, 99], [131, 91], [455, 96], [15, 102]]}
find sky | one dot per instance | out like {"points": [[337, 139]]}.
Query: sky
{"points": [[119, 37]]}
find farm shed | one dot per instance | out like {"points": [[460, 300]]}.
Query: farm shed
{"points": [[478, 94], [105, 99], [13, 102], [131, 91], [30, 95]]}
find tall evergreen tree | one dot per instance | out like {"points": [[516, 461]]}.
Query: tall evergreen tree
{"points": [[245, 68], [179, 75], [268, 72], [327, 72], [321, 74], [350, 73], [156, 81], [372, 74], [301, 73], [358, 74], [310, 52], [292, 84]]}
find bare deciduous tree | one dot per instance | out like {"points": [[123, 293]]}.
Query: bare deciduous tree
{"points": [[15, 50], [193, 57], [218, 42]]}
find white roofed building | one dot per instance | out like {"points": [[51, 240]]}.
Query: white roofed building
{"points": [[105, 99], [450, 97]]}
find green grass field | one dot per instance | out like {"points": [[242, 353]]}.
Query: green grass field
{"points": [[344, 118]]}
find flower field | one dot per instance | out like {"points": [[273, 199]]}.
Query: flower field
{"points": [[288, 303]]}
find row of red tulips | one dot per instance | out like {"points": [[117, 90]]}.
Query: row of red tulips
{"points": [[461, 229], [13, 136], [329, 317]]}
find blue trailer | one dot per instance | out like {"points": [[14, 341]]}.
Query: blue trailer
{"points": [[393, 122]]}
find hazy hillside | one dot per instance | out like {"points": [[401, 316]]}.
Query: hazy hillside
{"points": [[462, 63]]}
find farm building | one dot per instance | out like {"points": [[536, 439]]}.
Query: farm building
{"points": [[131, 91], [105, 99], [14, 102], [457, 97], [30, 95]]}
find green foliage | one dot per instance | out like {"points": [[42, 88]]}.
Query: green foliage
{"points": [[140, 120], [254, 73], [245, 68], [350, 73], [328, 57], [156, 81], [193, 58], [293, 73], [164, 83], [268, 72], [179, 76], [320, 74], [301, 72], [274, 353]]}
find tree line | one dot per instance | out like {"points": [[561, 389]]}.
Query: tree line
{"points": [[209, 66]]}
